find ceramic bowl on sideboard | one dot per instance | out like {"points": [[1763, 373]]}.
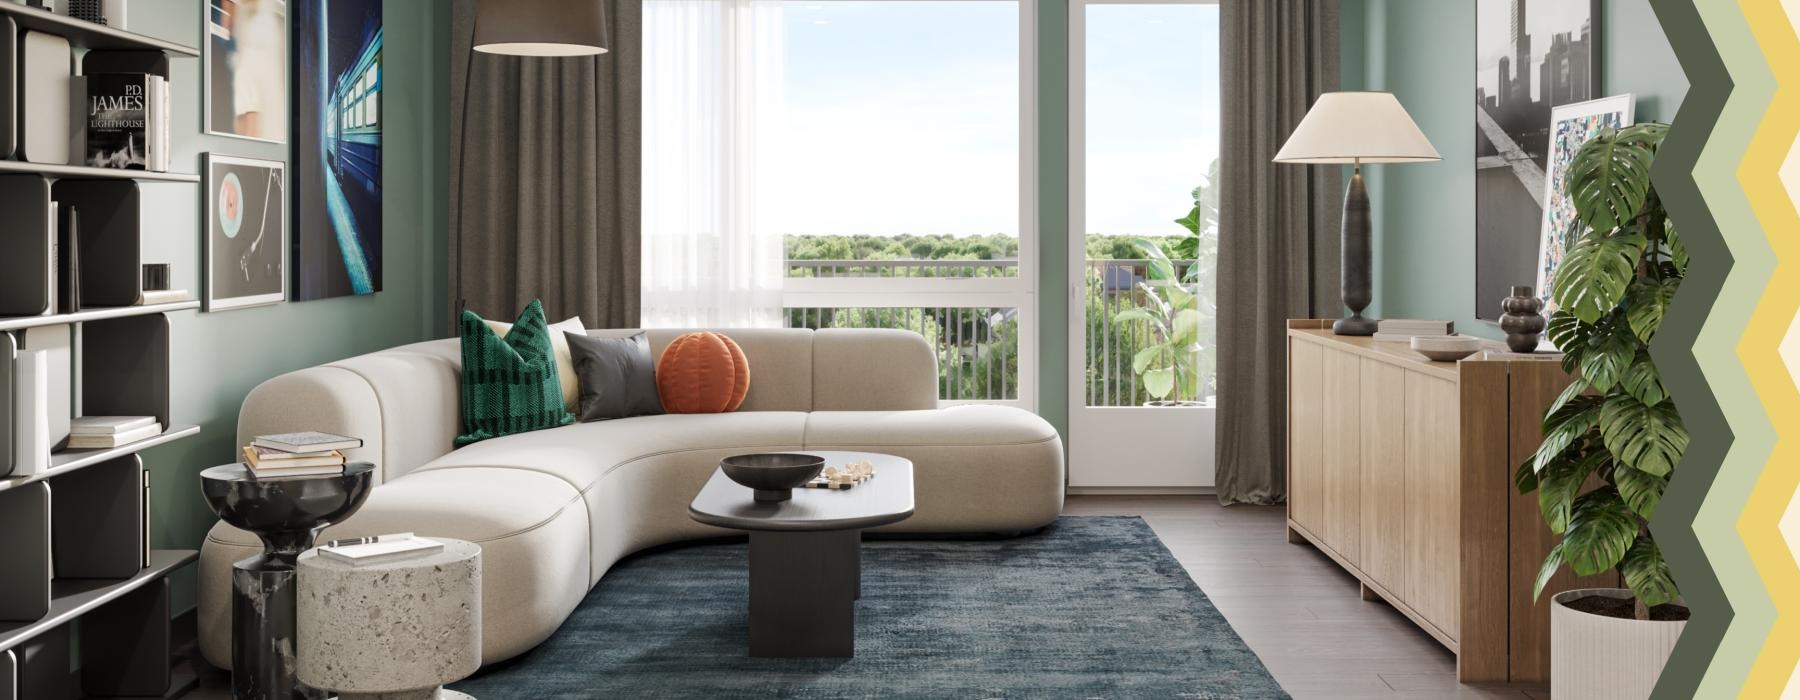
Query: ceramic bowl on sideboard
{"points": [[1445, 348], [772, 475]]}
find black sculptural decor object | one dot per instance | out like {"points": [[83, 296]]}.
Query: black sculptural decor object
{"points": [[1355, 128], [286, 513], [1523, 319]]}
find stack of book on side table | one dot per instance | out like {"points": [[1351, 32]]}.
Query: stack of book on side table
{"points": [[380, 549], [298, 454], [106, 432], [1402, 330]]}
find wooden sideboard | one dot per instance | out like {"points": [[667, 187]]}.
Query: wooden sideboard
{"points": [[1401, 470]]}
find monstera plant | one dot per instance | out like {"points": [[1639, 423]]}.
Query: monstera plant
{"points": [[1613, 439]]}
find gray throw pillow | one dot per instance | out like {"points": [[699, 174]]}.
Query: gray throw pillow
{"points": [[617, 377]]}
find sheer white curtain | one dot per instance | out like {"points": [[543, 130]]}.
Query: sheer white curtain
{"points": [[712, 96]]}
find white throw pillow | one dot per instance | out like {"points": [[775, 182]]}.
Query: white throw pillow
{"points": [[565, 363]]}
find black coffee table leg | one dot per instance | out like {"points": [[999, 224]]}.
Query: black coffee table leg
{"points": [[803, 590]]}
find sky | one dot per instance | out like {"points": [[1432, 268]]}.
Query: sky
{"points": [[903, 117]]}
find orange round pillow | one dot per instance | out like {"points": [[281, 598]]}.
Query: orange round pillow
{"points": [[702, 373]]}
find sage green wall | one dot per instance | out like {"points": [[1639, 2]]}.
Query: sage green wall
{"points": [[219, 357], [1422, 50]]}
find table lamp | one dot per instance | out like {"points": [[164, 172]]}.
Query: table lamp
{"points": [[1356, 128]]}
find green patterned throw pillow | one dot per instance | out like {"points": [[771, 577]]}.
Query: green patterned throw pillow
{"points": [[509, 385]]}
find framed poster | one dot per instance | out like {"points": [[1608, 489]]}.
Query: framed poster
{"points": [[337, 148], [246, 82], [1530, 57], [1570, 127], [246, 232]]}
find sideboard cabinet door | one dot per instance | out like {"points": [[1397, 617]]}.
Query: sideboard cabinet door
{"points": [[1432, 505], [1306, 385], [1343, 454], [1384, 474]]}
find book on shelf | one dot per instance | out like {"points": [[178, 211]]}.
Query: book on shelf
{"points": [[127, 121], [308, 441], [265, 459], [108, 425], [31, 423], [380, 549], [111, 440], [163, 296]]}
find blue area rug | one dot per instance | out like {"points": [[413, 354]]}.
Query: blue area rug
{"points": [[1091, 607]]}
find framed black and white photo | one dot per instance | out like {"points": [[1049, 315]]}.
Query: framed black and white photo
{"points": [[246, 232], [1531, 56], [246, 65]]}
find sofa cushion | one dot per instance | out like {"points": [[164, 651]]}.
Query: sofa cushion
{"points": [[509, 385], [702, 372], [973, 424], [582, 453], [617, 377], [559, 345]]}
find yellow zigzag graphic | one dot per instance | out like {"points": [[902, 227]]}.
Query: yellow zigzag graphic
{"points": [[1761, 346]]}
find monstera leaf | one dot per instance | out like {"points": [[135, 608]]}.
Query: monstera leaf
{"points": [[1609, 179], [1647, 574], [1596, 272], [1601, 529], [1646, 302], [1646, 438]]}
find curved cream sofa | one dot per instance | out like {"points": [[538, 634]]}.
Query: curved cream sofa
{"points": [[554, 509]]}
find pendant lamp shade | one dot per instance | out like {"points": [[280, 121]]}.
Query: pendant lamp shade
{"points": [[540, 27], [1357, 127]]}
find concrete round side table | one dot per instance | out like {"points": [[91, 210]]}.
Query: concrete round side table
{"points": [[396, 630]]}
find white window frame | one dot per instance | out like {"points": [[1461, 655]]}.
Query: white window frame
{"points": [[1018, 292], [1160, 467]]}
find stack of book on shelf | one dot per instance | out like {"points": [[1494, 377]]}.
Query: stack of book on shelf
{"points": [[127, 121], [363, 551], [1404, 329], [105, 432], [298, 454]]}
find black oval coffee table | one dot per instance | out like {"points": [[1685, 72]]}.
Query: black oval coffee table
{"points": [[806, 552]]}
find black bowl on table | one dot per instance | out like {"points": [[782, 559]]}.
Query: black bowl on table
{"points": [[773, 476]]}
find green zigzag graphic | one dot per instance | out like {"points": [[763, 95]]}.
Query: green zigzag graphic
{"points": [[1696, 175], [1711, 262]]}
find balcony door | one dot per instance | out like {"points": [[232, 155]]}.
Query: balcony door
{"points": [[1143, 150]]}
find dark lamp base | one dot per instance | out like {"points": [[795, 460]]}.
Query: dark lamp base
{"points": [[1355, 325]]}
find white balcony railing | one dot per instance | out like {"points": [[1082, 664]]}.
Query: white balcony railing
{"points": [[978, 344]]}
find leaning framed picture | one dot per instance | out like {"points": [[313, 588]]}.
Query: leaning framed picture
{"points": [[338, 121], [246, 66], [1531, 56], [1570, 126], [246, 232]]}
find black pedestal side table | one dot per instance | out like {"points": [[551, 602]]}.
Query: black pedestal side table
{"points": [[286, 513], [806, 552]]}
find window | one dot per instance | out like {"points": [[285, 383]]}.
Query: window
{"points": [[868, 154]]}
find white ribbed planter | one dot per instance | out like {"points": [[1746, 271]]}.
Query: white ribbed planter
{"points": [[1594, 657]]}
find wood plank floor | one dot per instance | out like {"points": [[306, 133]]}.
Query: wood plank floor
{"points": [[1296, 609]]}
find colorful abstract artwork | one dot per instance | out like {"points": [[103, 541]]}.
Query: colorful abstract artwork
{"points": [[1570, 127], [337, 148]]}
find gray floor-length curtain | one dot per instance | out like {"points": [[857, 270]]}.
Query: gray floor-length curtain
{"points": [[544, 180], [1279, 228]]}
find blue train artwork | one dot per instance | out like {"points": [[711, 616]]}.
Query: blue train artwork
{"points": [[337, 148]]}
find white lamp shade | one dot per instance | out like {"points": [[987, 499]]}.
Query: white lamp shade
{"points": [[1357, 127]]}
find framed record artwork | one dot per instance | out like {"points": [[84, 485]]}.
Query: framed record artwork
{"points": [[246, 232], [338, 120]]}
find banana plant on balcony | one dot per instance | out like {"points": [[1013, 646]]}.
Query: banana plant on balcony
{"points": [[1168, 305]]}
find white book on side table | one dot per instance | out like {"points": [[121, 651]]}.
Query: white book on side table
{"points": [[376, 550]]}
